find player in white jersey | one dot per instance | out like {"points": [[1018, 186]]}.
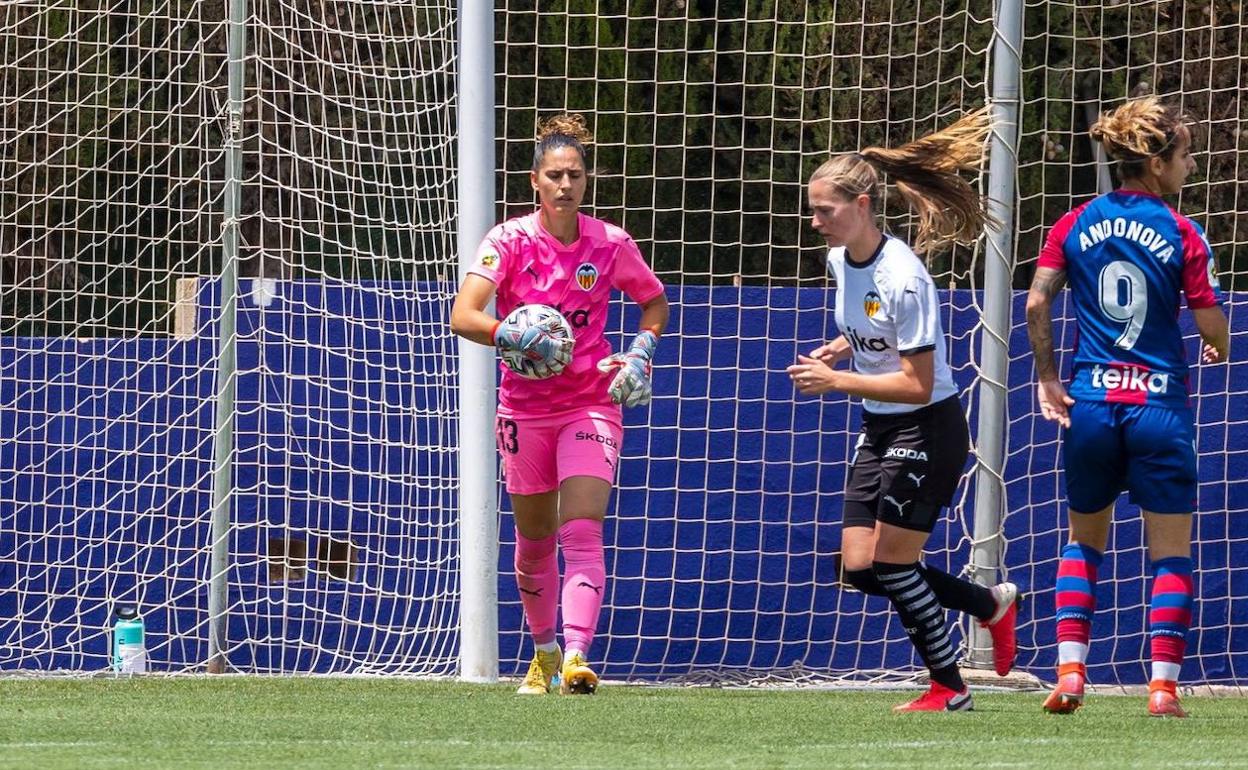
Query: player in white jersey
{"points": [[914, 441], [560, 437]]}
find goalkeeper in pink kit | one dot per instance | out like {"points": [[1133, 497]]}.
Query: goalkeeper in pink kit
{"points": [[560, 436]]}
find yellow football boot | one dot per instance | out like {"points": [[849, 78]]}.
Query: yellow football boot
{"points": [[577, 678], [541, 671]]}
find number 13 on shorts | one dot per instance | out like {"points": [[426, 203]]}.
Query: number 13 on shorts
{"points": [[507, 432]]}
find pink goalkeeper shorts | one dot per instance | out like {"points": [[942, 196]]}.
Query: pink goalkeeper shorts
{"points": [[539, 453]]}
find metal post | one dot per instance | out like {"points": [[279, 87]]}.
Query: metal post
{"points": [[998, 299], [1104, 182], [227, 347], [478, 500]]}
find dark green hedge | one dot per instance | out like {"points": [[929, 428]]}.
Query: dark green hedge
{"points": [[708, 116]]}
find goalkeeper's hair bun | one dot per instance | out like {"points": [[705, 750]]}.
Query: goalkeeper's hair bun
{"points": [[563, 130]]}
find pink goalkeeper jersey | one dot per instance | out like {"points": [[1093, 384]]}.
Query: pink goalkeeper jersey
{"points": [[530, 266]]}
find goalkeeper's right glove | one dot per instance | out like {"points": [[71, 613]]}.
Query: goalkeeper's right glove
{"points": [[537, 344]]}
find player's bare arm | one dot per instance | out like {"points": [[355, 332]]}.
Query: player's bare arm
{"points": [[1044, 287], [1215, 331], [654, 314], [1055, 403], [468, 317]]}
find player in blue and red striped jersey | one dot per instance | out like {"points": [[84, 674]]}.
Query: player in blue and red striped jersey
{"points": [[1129, 259]]}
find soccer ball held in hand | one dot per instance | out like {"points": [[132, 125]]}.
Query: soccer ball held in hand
{"points": [[535, 341]]}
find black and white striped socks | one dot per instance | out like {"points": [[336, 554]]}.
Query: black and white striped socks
{"points": [[923, 618]]}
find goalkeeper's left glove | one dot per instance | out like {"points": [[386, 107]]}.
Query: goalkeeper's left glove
{"points": [[631, 384]]}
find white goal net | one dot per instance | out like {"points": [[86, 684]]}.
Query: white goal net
{"points": [[342, 540], [343, 549], [708, 117], [1078, 59]]}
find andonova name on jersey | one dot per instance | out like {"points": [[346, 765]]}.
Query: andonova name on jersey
{"points": [[1121, 227]]}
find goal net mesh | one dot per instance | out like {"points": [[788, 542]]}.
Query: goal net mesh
{"points": [[708, 117]]}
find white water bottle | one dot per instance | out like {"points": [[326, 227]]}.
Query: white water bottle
{"points": [[129, 652]]}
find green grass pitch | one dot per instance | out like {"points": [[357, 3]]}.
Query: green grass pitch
{"points": [[348, 723]]}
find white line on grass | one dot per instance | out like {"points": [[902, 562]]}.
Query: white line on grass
{"points": [[52, 744]]}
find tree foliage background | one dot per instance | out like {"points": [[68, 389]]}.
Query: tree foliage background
{"points": [[708, 116]]}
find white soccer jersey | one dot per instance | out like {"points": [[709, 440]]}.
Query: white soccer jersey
{"points": [[887, 308]]}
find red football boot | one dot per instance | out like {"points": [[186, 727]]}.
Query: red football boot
{"points": [[1163, 701], [938, 698], [1001, 627], [1068, 695]]}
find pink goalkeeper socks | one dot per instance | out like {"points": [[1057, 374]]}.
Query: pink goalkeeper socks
{"points": [[585, 577], [537, 576]]}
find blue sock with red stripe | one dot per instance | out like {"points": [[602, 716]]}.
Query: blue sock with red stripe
{"points": [[1169, 616], [1076, 601]]}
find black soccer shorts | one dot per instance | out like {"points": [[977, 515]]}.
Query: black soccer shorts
{"points": [[906, 467]]}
